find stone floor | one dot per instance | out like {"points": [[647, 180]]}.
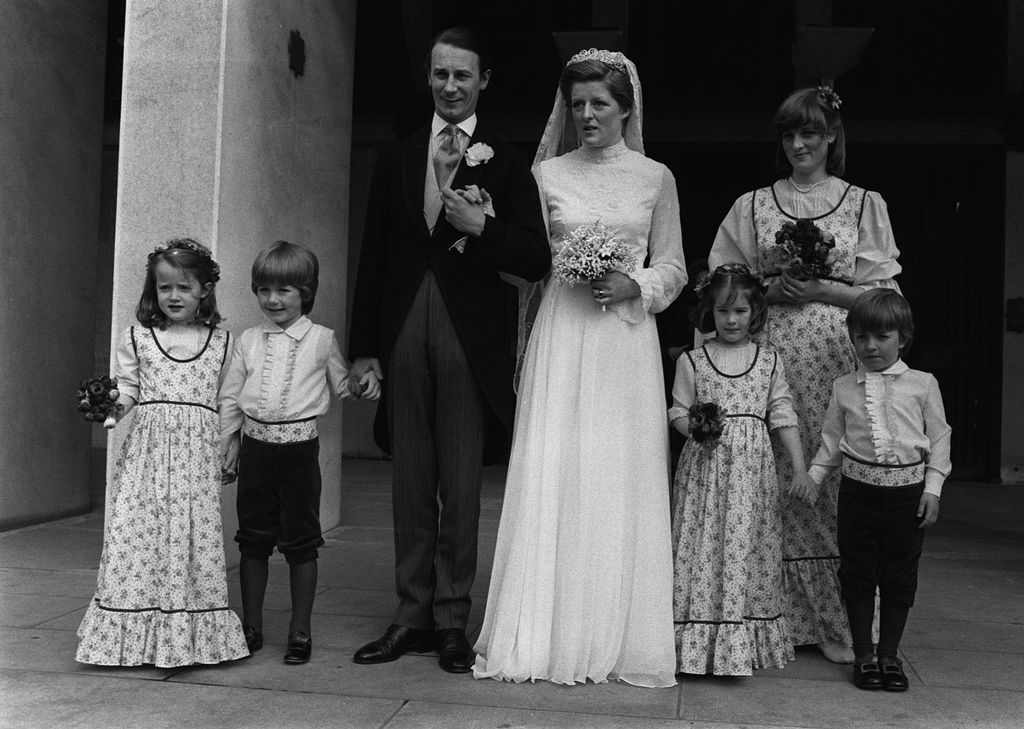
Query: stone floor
{"points": [[964, 646]]}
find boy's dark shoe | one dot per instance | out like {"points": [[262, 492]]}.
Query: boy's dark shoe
{"points": [[253, 638], [867, 676], [456, 654], [300, 648], [893, 677], [396, 642]]}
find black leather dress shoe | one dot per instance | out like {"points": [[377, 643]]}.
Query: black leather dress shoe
{"points": [[300, 648], [456, 654], [253, 638], [396, 642], [893, 677], [867, 676]]}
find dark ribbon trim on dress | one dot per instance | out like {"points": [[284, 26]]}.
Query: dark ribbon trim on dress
{"points": [[727, 622], [807, 559], [746, 415], [280, 422], [847, 281], [177, 402], [101, 606]]}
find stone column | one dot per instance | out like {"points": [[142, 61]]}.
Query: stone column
{"points": [[51, 117], [223, 142]]}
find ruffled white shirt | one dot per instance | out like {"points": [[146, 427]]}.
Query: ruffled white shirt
{"points": [[893, 417], [277, 375]]}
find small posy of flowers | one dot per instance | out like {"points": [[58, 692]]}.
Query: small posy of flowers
{"points": [[707, 421], [807, 247], [97, 400], [589, 252], [478, 153]]}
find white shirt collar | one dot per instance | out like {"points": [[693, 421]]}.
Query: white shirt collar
{"points": [[295, 331], [896, 368], [468, 126]]}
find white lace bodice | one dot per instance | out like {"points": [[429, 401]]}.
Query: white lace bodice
{"points": [[636, 198]]}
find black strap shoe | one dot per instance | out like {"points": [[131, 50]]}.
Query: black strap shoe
{"points": [[893, 677], [867, 676], [300, 648], [395, 643], [456, 654]]}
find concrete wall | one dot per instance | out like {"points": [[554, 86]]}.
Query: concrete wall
{"points": [[52, 57], [222, 142]]}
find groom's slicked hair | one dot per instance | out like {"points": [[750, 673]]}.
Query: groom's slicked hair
{"points": [[467, 40]]}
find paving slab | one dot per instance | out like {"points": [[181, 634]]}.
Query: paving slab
{"points": [[86, 702], [988, 670]]}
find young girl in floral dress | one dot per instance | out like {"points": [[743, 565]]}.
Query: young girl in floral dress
{"points": [[161, 591], [726, 525]]}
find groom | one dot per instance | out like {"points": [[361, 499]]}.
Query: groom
{"points": [[449, 208]]}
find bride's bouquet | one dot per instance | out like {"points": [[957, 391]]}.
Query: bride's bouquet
{"points": [[808, 248], [97, 400], [707, 421], [590, 252]]}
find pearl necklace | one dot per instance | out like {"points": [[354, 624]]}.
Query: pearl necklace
{"points": [[807, 188]]}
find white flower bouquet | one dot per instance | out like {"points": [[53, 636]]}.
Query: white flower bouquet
{"points": [[589, 252]]}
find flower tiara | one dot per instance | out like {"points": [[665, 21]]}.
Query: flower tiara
{"points": [[728, 270], [612, 58], [829, 97], [187, 244]]}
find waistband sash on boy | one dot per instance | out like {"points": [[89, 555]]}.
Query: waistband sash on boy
{"points": [[287, 431], [883, 475]]}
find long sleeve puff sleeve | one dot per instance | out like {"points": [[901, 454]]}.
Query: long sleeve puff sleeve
{"points": [[828, 457], [780, 412], [232, 380], [665, 275], [126, 366], [876, 264], [337, 370], [937, 463], [735, 241], [684, 390]]}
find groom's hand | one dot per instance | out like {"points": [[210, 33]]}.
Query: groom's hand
{"points": [[364, 377], [464, 215]]}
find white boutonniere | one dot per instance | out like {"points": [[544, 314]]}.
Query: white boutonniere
{"points": [[478, 154]]}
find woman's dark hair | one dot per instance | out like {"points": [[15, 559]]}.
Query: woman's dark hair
{"points": [[736, 279], [467, 40], [288, 264], [810, 107], [616, 81], [882, 310], [195, 260]]}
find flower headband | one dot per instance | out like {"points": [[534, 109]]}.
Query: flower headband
{"points": [[829, 97], [187, 244], [728, 270], [612, 58]]}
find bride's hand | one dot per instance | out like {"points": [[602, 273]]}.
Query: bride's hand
{"points": [[614, 287]]}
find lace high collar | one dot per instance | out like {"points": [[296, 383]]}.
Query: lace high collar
{"points": [[604, 154]]}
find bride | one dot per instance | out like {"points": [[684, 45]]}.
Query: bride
{"points": [[582, 582]]}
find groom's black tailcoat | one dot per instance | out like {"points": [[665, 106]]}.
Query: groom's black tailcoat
{"points": [[398, 248]]}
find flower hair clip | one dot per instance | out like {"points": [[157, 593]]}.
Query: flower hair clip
{"points": [[187, 244], [612, 58], [829, 97], [727, 270]]}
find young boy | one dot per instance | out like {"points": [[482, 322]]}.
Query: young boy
{"points": [[280, 378], [886, 427]]}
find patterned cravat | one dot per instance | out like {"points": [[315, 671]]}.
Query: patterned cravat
{"points": [[446, 158]]}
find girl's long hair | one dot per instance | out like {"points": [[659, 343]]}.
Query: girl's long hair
{"points": [[195, 260]]}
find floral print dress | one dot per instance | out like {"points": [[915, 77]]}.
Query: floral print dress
{"points": [[161, 590], [726, 526], [813, 342]]}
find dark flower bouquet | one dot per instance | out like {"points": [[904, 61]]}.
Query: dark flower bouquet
{"points": [[707, 421], [590, 252], [97, 400], [808, 248]]}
